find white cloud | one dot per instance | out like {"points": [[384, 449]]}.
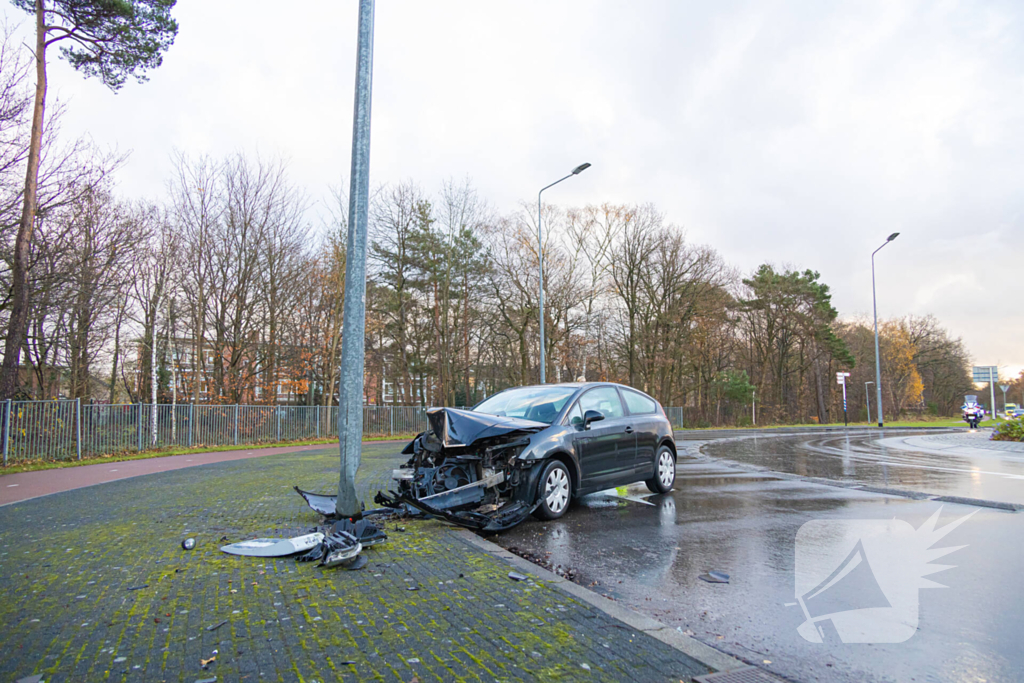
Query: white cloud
{"points": [[799, 133]]}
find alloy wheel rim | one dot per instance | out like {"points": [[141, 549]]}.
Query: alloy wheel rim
{"points": [[556, 490], [666, 469]]}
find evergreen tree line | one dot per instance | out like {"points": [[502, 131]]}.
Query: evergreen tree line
{"points": [[227, 293]]}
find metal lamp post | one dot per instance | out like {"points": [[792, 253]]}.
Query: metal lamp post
{"points": [[540, 260], [353, 358], [878, 356]]}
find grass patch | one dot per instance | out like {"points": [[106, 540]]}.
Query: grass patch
{"points": [[36, 465]]}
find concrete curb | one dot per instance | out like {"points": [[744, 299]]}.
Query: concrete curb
{"points": [[691, 647]]}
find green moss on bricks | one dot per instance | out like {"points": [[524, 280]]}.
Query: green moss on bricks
{"points": [[127, 533]]}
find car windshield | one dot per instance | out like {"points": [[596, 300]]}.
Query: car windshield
{"points": [[541, 404]]}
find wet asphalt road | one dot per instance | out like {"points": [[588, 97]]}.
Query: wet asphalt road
{"points": [[648, 552]]}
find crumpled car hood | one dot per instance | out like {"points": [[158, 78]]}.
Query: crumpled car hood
{"points": [[454, 427]]}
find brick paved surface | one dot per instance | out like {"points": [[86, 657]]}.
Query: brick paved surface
{"points": [[96, 587], [978, 439]]}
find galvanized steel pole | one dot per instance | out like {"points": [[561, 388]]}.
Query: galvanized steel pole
{"points": [[878, 357], [540, 263], [350, 404]]}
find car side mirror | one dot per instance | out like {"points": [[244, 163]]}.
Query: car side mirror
{"points": [[591, 416]]}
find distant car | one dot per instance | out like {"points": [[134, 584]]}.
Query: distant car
{"points": [[1017, 413]]}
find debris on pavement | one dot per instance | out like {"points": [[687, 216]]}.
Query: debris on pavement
{"points": [[207, 680], [138, 588], [216, 626], [188, 544], [339, 548], [714, 577], [357, 563], [31, 679], [365, 531], [324, 504], [274, 547], [516, 576], [206, 662]]}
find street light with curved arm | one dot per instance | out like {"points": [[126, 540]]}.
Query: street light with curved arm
{"points": [[878, 357], [540, 260]]}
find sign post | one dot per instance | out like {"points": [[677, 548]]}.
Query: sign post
{"points": [[841, 379], [982, 374], [1004, 387]]}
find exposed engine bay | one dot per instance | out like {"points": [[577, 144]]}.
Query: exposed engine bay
{"points": [[466, 468]]}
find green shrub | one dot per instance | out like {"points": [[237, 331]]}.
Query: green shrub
{"points": [[1011, 430]]}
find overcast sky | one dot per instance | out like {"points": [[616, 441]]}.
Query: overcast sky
{"points": [[798, 133]]}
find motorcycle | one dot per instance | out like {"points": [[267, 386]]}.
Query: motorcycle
{"points": [[973, 414]]}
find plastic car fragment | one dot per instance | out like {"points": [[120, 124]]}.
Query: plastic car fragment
{"points": [[325, 505], [365, 531], [273, 547], [339, 548], [507, 516]]}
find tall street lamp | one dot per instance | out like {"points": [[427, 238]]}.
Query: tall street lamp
{"points": [[540, 260], [878, 356]]}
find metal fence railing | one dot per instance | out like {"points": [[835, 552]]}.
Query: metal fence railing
{"points": [[69, 429]]}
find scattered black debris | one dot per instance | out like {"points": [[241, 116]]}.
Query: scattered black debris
{"points": [[212, 679], [516, 576], [326, 505], [138, 588], [412, 588], [188, 544], [400, 528], [216, 626], [223, 538], [357, 563], [346, 662], [567, 573], [337, 549], [364, 530], [179, 570], [714, 577]]}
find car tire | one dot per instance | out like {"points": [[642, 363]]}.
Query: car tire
{"points": [[554, 491], [664, 471]]}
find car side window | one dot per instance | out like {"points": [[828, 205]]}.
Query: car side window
{"points": [[639, 404], [574, 416], [604, 400]]}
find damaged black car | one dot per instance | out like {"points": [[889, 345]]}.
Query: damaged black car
{"points": [[532, 450]]}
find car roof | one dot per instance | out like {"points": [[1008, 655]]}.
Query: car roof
{"points": [[575, 385]]}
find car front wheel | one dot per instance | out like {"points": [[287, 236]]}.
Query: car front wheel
{"points": [[555, 491], [664, 471]]}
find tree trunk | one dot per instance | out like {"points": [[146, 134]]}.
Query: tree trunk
{"points": [[17, 327]]}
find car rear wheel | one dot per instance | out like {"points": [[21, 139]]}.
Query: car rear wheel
{"points": [[555, 491], [664, 471]]}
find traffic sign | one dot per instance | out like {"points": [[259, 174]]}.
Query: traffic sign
{"points": [[983, 374]]}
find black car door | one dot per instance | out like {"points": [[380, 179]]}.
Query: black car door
{"points": [[606, 448], [643, 411]]}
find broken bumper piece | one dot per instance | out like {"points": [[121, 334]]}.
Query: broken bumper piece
{"points": [[339, 549], [325, 505], [507, 516]]}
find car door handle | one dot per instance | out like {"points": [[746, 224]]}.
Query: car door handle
{"points": [[629, 430]]}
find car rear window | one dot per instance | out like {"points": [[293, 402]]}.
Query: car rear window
{"points": [[639, 404]]}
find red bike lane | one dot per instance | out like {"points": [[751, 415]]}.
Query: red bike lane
{"points": [[15, 488]]}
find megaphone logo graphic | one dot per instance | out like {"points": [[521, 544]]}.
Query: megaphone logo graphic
{"points": [[860, 578]]}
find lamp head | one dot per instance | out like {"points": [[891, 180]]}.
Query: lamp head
{"points": [[892, 237], [579, 169]]}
